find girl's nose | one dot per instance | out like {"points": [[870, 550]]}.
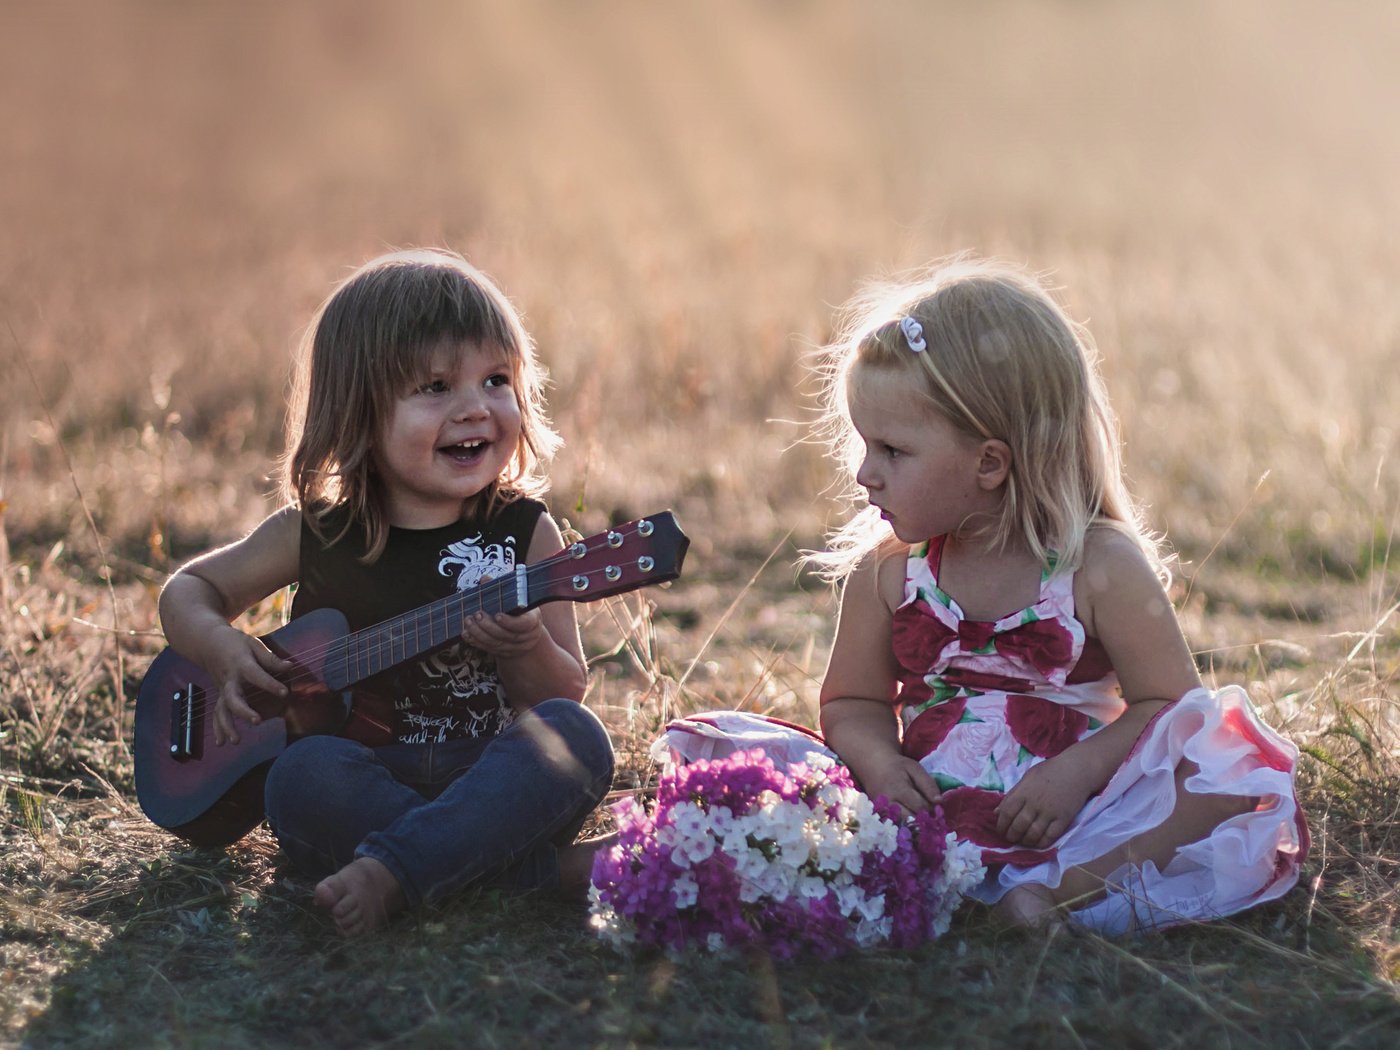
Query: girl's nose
{"points": [[866, 477], [471, 404]]}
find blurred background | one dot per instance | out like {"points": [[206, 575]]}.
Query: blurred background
{"points": [[678, 196]]}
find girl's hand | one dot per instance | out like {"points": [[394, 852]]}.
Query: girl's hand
{"points": [[241, 665], [905, 782], [505, 634], [1037, 811]]}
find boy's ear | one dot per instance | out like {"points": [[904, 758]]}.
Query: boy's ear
{"points": [[994, 464]]}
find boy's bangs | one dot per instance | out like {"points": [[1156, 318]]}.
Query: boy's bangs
{"points": [[409, 365]]}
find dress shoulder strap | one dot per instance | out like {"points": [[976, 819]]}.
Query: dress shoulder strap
{"points": [[1059, 585], [933, 555]]}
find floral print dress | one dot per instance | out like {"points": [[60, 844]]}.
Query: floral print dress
{"points": [[982, 702]]}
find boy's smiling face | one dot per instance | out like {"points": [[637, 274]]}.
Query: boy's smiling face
{"points": [[448, 436]]}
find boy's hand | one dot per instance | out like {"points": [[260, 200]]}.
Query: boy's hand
{"points": [[242, 665], [1037, 810], [506, 634]]}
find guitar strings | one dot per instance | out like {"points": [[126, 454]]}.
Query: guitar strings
{"points": [[494, 588], [303, 675], [535, 572]]}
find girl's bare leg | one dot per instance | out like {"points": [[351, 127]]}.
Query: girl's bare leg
{"points": [[1194, 817], [576, 864], [1029, 905], [362, 896]]}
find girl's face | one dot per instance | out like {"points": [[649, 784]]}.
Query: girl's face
{"points": [[925, 475], [449, 436]]}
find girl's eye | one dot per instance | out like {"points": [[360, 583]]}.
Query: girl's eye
{"points": [[434, 386], [498, 379], [892, 452]]}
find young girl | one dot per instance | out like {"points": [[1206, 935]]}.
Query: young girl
{"points": [[1005, 647], [416, 442]]}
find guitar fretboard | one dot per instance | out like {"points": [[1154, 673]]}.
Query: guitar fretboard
{"points": [[363, 654], [632, 555]]}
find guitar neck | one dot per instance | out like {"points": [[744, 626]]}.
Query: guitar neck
{"points": [[628, 556], [365, 653]]}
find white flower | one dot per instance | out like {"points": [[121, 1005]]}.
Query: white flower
{"points": [[829, 795], [833, 856], [735, 843], [785, 824], [775, 883], [848, 898], [875, 833], [810, 887], [873, 932], [612, 928], [686, 890], [871, 907], [750, 864], [722, 820], [693, 850], [689, 820], [688, 835]]}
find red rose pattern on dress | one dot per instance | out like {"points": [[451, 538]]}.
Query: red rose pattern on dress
{"points": [[984, 701], [931, 727], [1042, 727]]}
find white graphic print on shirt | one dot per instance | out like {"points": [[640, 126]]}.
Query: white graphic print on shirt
{"points": [[462, 695]]}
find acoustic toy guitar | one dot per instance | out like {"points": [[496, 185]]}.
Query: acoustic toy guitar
{"points": [[213, 795]]}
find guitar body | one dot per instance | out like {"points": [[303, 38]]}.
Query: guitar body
{"points": [[212, 794]]}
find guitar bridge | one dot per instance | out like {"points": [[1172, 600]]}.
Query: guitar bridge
{"points": [[187, 723]]}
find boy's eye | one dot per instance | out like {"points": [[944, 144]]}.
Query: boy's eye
{"points": [[892, 452]]}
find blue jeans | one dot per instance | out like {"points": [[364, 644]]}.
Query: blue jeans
{"points": [[441, 816]]}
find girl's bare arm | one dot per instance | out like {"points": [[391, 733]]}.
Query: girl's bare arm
{"points": [[1121, 602], [857, 696]]}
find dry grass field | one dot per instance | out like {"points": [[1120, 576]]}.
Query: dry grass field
{"points": [[677, 195]]}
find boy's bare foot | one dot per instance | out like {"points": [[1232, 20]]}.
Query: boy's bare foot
{"points": [[362, 896], [1030, 906], [576, 864]]}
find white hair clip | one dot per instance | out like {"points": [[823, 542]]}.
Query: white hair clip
{"points": [[913, 334]]}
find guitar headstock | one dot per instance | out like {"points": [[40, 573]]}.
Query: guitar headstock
{"points": [[628, 556]]}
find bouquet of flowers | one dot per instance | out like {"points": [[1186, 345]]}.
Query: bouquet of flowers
{"points": [[738, 852]]}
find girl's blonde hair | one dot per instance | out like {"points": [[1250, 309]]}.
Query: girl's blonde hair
{"points": [[1001, 360], [374, 338]]}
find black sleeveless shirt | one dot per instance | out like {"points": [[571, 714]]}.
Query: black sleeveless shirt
{"points": [[453, 692]]}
